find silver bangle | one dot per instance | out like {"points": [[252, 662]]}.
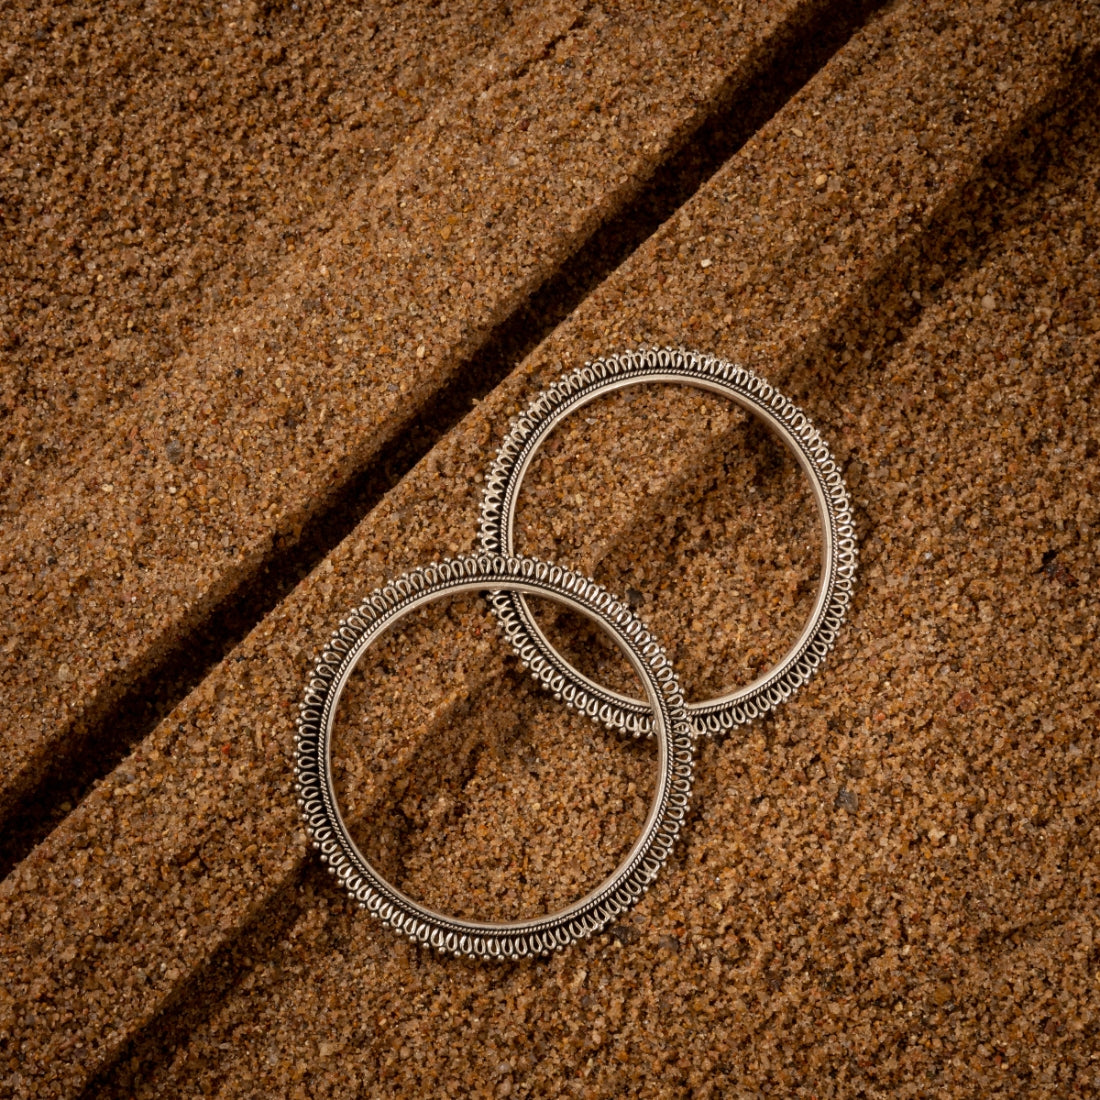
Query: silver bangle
{"points": [[839, 553], [316, 793]]}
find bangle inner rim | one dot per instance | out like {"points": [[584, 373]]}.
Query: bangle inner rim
{"points": [[663, 735], [828, 550]]}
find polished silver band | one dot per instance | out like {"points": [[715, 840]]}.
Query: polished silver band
{"points": [[379, 611], [706, 372]]}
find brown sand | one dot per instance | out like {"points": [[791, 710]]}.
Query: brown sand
{"points": [[185, 487], [888, 888], [164, 166]]}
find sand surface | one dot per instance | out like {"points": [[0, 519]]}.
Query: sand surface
{"points": [[887, 888]]}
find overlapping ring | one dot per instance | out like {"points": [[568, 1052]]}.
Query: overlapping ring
{"points": [[316, 794], [839, 556]]}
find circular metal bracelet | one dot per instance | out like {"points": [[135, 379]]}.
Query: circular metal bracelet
{"points": [[839, 554], [316, 793]]}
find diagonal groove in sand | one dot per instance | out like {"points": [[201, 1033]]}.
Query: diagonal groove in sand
{"points": [[932, 258], [168, 210], [134, 697]]}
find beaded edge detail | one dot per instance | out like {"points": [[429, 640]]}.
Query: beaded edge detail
{"points": [[339, 852], [526, 432]]}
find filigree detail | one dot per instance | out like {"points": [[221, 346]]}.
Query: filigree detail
{"points": [[755, 394], [316, 797]]}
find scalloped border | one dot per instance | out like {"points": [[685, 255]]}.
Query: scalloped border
{"points": [[527, 431], [316, 798]]}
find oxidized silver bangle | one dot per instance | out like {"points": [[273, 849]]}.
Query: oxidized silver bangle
{"points": [[706, 372], [316, 793]]}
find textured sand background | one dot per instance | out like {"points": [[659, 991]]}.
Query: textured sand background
{"points": [[273, 281]]}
